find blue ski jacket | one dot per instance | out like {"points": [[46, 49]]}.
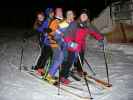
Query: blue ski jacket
{"points": [[44, 25], [44, 36]]}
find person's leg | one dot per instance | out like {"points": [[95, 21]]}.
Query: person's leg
{"points": [[67, 64], [56, 61], [77, 64], [39, 62], [48, 55]]}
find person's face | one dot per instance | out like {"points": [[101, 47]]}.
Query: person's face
{"points": [[83, 17], [51, 14], [40, 17], [59, 12], [70, 15]]}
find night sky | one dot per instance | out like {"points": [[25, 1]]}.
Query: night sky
{"points": [[21, 13]]}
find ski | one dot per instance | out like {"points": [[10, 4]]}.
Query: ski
{"points": [[62, 87], [74, 87], [74, 76], [35, 75], [93, 80], [105, 84], [99, 90]]}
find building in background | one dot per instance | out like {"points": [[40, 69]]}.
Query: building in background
{"points": [[117, 19], [122, 11]]}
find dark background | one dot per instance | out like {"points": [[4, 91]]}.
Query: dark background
{"points": [[21, 13]]}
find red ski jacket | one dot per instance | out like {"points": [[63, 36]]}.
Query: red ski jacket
{"points": [[79, 37]]}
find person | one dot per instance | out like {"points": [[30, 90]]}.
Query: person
{"points": [[64, 26], [57, 54], [77, 39], [38, 23], [62, 29], [42, 26], [68, 35], [85, 25]]}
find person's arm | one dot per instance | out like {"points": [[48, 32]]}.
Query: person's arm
{"points": [[94, 32], [43, 26]]}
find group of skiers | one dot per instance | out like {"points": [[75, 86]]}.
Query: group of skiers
{"points": [[63, 40]]}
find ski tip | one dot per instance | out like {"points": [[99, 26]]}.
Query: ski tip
{"points": [[109, 85]]}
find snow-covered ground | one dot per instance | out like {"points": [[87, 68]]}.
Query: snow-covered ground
{"points": [[16, 85]]}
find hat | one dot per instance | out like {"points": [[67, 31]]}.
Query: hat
{"points": [[48, 11], [85, 11]]}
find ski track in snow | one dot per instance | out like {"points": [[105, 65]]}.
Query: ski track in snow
{"points": [[16, 85]]}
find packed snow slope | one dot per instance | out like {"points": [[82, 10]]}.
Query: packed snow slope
{"points": [[16, 85]]}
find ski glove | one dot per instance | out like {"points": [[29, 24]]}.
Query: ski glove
{"points": [[72, 45], [47, 30], [100, 43]]}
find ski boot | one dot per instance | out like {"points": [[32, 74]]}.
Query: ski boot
{"points": [[51, 80], [40, 71], [65, 81]]}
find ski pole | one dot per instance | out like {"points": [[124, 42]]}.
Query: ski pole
{"points": [[21, 58], [106, 64], [71, 72], [93, 72], [47, 67], [86, 82], [59, 80]]}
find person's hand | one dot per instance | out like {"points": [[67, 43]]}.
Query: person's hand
{"points": [[73, 45], [100, 43], [47, 30]]}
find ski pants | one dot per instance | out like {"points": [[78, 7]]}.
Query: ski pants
{"points": [[46, 52], [72, 58], [67, 64], [56, 60]]}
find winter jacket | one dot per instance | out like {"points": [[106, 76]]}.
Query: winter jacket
{"points": [[59, 34], [81, 35], [44, 29], [78, 35], [70, 34], [43, 26], [54, 25]]}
